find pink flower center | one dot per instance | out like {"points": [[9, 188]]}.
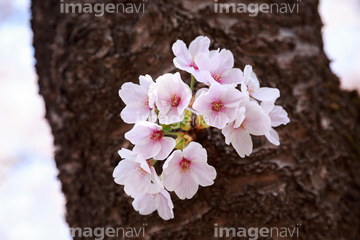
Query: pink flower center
{"points": [[156, 135], [192, 64], [217, 77], [175, 100], [184, 165], [217, 106]]}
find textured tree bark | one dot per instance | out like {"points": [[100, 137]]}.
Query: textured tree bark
{"points": [[311, 181]]}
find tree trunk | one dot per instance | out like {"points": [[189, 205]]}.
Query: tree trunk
{"points": [[310, 181]]}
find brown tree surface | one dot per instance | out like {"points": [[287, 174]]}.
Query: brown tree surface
{"points": [[311, 179]]}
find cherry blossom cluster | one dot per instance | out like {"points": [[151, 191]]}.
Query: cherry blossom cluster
{"points": [[168, 116]]}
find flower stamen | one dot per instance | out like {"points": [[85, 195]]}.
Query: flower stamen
{"points": [[184, 165], [156, 135], [217, 77], [175, 100], [217, 106], [146, 102]]}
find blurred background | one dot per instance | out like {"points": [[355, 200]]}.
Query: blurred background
{"points": [[32, 205]]}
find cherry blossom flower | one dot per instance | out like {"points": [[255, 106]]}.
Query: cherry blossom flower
{"points": [[169, 101], [252, 86], [149, 140], [185, 170], [278, 117], [137, 101], [219, 104], [184, 59], [218, 68], [171, 96], [250, 119], [147, 203], [134, 173]]}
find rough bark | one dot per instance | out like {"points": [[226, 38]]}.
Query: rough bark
{"points": [[310, 179]]}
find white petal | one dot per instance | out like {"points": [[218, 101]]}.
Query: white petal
{"points": [[152, 93], [135, 112], [131, 92], [216, 119], [279, 116], [172, 180], [204, 77], [141, 132], [213, 53], [156, 181], [256, 122], [154, 187], [200, 44], [152, 116], [203, 61], [138, 134], [247, 73], [185, 95], [197, 75], [172, 163], [128, 154], [163, 102], [172, 116], [203, 173], [146, 81], [273, 137], [253, 82], [186, 66], [228, 131], [167, 145], [195, 152], [122, 171], [235, 75], [137, 182], [201, 92], [143, 163], [232, 97], [266, 94], [239, 117], [202, 104], [231, 113], [165, 205], [180, 50], [242, 142], [267, 106], [148, 149], [145, 204], [187, 188], [225, 61]]}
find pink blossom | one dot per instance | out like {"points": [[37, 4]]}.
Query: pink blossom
{"points": [[149, 140], [252, 86], [184, 59], [185, 170], [147, 203], [218, 68], [219, 104], [171, 96], [278, 117], [137, 101], [250, 119], [134, 173]]}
